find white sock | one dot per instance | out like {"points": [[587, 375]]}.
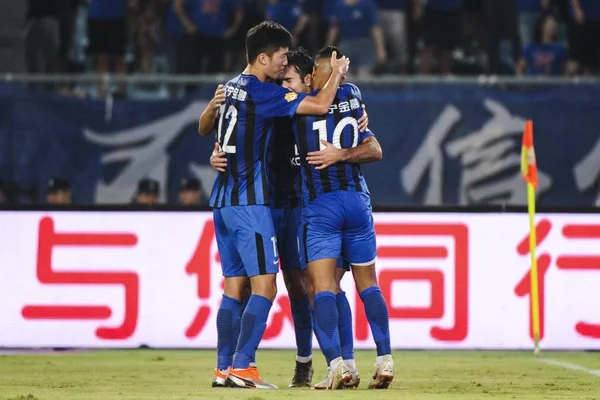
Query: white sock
{"points": [[334, 363], [383, 358], [351, 364], [303, 360]]}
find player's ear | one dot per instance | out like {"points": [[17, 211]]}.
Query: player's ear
{"points": [[263, 58], [308, 80]]}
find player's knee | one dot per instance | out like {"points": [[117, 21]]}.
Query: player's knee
{"points": [[295, 283], [264, 285], [364, 277]]}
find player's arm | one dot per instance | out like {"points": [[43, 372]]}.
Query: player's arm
{"points": [[206, 123], [319, 104], [366, 152]]}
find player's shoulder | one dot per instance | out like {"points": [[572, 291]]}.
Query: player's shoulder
{"points": [[350, 89]]}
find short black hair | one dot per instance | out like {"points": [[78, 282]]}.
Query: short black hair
{"points": [[302, 61], [266, 37], [327, 51]]}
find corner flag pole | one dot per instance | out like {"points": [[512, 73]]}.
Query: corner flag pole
{"points": [[529, 172]]}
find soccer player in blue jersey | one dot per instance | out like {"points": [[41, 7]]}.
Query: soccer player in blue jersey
{"points": [[285, 188], [337, 218], [244, 228]]}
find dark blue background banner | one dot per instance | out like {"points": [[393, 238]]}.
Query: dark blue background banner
{"points": [[443, 144]]}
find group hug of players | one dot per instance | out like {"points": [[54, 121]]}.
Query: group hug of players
{"points": [[291, 135]]}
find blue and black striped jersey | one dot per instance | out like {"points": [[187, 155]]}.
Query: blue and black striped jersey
{"points": [[339, 127], [285, 181], [244, 131]]}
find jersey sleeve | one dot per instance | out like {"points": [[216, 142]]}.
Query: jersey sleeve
{"points": [[364, 135], [273, 101]]}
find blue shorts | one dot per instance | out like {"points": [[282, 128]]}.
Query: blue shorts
{"points": [[246, 240], [337, 223], [286, 222]]}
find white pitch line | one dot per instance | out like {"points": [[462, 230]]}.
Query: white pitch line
{"points": [[572, 367]]}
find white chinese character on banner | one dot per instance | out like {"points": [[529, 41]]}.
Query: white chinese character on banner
{"points": [[489, 157], [145, 150], [587, 171]]}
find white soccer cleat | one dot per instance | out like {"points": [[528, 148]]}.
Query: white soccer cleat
{"points": [[383, 374], [355, 381], [340, 374], [325, 382]]}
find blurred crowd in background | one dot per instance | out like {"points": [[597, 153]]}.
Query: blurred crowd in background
{"points": [[58, 192], [464, 37]]}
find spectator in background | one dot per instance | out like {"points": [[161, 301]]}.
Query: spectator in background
{"points": [[545, 56], [146, 33], [584, 36], [392, 17], [107, 33], [441, 32], [2, 195], [58, 191], [501, 19], [208, 29], [360, 36], [43, 38], [148, 192], [529, 15], [190, 192], [291, 14]]}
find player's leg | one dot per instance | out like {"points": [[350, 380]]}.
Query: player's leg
{"points": [[229, 314], [345, 324], [320, 245], [286, 224], [360, 249], [255, 240], [345, 330]]}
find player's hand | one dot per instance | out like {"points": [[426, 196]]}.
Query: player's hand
{"points": [[326, 157], [341, 65], [219, 98], [217, 159], [363, 122]]}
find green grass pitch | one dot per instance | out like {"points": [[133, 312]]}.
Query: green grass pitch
{"points": [[187, 374]]}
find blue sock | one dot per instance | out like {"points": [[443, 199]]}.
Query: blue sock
{"points": [[345, 326], [253, 325], [302, 325], [228, 329], [327, 317], [244, 304], [313, 317], [377, 315]]}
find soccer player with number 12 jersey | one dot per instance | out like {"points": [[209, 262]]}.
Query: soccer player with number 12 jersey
{"points": [[243, 226]]}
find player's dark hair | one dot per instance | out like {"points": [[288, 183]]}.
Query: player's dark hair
{"points": [[266, 37], [327, 51], [302, 61]]}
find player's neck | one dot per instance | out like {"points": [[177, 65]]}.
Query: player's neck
{"points": [[252, 70]]}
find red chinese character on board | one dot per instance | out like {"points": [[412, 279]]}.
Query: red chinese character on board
{"points": [[460, 234], [582, 262], [563, 262], [200, 265], [48, 240]]}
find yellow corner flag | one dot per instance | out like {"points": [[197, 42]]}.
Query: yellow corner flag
{"points": [[529, 172]]}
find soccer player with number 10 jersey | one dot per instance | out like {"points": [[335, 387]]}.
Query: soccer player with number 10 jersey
{"points": [[243, 226]]}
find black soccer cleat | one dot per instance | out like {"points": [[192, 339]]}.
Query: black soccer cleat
{"points": [[303, 374]]}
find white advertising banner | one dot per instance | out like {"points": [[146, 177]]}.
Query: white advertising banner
{"points": [[456, 281]]}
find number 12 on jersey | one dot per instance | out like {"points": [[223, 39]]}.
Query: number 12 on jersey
{"points": [[231, 116]]}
